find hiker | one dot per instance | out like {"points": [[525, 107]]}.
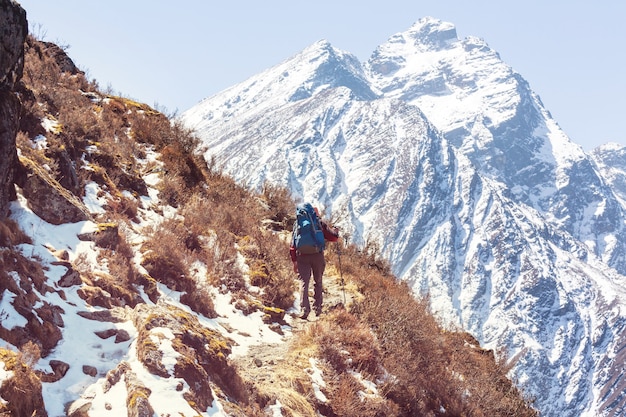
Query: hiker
{"points": [[307, 254]]}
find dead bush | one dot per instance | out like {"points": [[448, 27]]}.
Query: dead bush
{"points": [[356, 260], [172, 191], [148, 127], [347, 344], [270, 267], [170, 253], [30, 271], [348, 399], [13, 389], [432, 368], [166, 258], [11, 234], [185, 166], [30, 353], [201, 301], [280, 206], [127, 207]]}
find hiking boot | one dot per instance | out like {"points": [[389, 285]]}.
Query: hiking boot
{"points": [[318, 311], [304, 314]]}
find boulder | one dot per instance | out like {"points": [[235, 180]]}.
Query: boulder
{"points": [[47, 198]]}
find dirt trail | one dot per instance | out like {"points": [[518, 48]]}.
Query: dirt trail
{"points": [[277, 367]]}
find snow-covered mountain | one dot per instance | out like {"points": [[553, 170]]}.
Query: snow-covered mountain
{"points": [[441, 154]]}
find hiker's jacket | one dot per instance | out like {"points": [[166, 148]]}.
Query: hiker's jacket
{"points": [[330, 235]]}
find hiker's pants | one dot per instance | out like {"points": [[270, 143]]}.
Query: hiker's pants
{"points": [[311, 264]]}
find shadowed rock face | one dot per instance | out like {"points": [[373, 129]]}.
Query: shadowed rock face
{"points": [[13, 31]]}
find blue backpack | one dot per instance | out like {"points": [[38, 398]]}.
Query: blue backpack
{"points": [[308, 236]]}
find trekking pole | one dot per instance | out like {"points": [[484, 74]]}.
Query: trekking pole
{"points": [[343, 290]]}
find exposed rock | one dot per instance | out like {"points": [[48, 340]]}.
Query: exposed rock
{"points": [[9, 108], [52, 314], [90, 370], [137, 397], [14, 29], [95, 296], [70, 278], [104, 290], [121, 335], [47, 198], [39, 328], [115, 315], [137, 393], [106, 236], [150, 287], [105, 334], [79, 408], [59, 367], [64, 62], [115, 375], [67, 171], [203, 354], [62, 254]]}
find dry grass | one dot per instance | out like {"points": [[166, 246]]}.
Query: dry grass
{"points": [[347, 346], [432, 369], [23, 380], [11, 234]]}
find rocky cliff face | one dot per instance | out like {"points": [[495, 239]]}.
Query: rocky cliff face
{"points": [[14, 29]]}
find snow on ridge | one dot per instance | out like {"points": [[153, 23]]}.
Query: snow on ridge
{"points": [[297, 76]]}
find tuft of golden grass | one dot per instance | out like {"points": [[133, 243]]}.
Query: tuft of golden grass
{"points": [[23, 380]]}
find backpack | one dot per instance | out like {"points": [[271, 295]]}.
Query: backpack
{"points": [[308, 236]]}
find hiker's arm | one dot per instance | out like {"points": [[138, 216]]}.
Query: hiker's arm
{"points": [[330, 235]]}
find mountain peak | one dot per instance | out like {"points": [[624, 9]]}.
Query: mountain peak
{"points": [[608, 147], [432, 33], [331, 67], [323, 45]]}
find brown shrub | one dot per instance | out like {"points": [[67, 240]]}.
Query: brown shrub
{"points": [[345, 343], [347, 399], [200, 301], [432, 368], [148, 127], [356, 261], [270, 267], [11, 234], [280, 206], [22, 391]]}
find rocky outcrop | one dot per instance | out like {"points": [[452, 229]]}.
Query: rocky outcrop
{"points": [[47, 198], [13, 31]]}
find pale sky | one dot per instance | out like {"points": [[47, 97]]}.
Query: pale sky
{"points": [[171, 54]]}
